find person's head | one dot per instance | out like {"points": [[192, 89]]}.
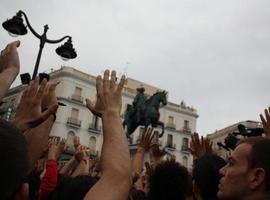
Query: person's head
{"points": [[73, 188], [248, 170], [206, 176], [169, 180], [14, 162]]}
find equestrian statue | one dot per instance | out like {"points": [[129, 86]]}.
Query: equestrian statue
{"points": [[144, 112]]}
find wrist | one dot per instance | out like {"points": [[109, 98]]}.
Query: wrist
{"points": [[111, 113], [11, 72], [53, 115], [110, 116], [17, 122], [140, 150]]}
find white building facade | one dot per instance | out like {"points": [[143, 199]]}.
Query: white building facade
{"points": [[75, 119]]}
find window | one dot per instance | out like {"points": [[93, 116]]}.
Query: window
{"points": [[77, 96], [170, 123], [70, 138], [95, 122], [74, 113], [186, 124], [169, 140], [185, 144], [92, 143], [185, 161], [171, 120], [78, 91]]}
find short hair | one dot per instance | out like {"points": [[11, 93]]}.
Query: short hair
{"points": [[14, 159], [169, 180], [259, 156], [206, 175], [136, 194]]}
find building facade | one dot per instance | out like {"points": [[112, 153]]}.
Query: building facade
{"points": [[75, 119], [219, 136]]}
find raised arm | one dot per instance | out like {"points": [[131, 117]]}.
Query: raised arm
{"points": [[32, 121], [9, 67], [144, 146], [266, 122], [115, 158], [200, 147]]}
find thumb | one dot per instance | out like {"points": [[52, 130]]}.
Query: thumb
{"points": [[51, 110], [91, 106], [43, 117]]}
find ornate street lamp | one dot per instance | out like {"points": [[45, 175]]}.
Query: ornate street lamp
{"points": [[16, 27]]}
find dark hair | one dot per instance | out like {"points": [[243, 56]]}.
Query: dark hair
{"points": [[168, 181], [14, 159], [206, 175], [136, 194], [259, 156], [73, 188]]}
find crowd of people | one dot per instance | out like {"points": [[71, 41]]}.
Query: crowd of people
{"points": [[30, 157]]}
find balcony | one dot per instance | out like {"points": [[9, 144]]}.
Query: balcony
{"points": [[94, 129], [186, 129], [77, 98], [170, 146], [171, 126], [185, 149], [73, 122]]}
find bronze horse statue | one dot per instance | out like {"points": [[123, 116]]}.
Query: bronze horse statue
{"points": [[148, 115]]}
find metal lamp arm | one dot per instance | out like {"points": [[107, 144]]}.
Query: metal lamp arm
{"points": [[29, 25], [57, 41]]}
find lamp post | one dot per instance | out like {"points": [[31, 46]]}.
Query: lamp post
{"points": [[15, 26]]}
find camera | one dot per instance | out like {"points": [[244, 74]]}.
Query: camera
{"points": [[231, 140]]}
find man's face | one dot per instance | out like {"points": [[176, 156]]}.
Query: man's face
{"points": [[234, 183]]}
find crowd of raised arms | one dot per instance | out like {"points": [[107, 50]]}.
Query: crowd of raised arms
{"points": [[30, 157]]}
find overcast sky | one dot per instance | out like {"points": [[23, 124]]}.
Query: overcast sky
{"points": [[213, 54]]}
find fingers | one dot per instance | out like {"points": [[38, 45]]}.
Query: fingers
{"points": [[99, 87], [91, 106], [121, 84], [13, 46], [152, 135], [10, 47], [106, 82], [263, 120], [47, 113], [113, 80], [41, 89], [267, 116]]}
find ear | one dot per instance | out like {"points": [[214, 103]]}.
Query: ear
{"points": [[257, 178], [23, 192]]}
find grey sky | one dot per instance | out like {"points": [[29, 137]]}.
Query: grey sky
{"points": [[212, 54]]}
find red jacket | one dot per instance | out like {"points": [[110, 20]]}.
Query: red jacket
{"points": [[49, 181]]}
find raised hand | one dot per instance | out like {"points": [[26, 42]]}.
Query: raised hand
{"points": [[9, 59], [49, 96], [146, 140], [9, 67], [53, 149], [266, 122], [157, 152], [29, 112], [109, 97], [82, 153], [199, 147]]}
